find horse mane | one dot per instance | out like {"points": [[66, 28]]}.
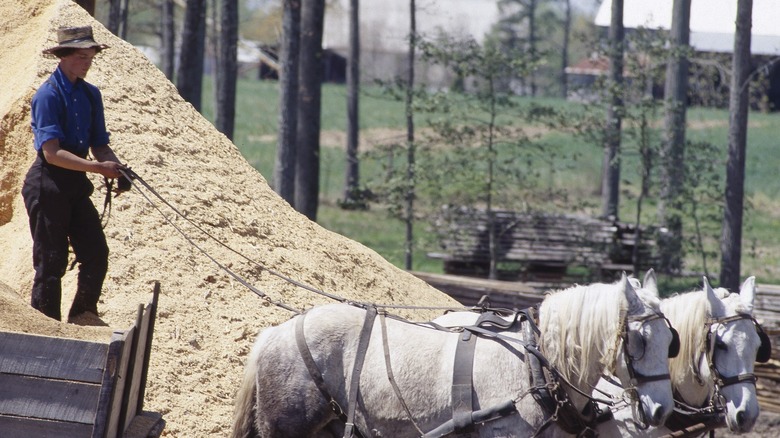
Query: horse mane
{"points": [[688, 313], [570, 319]]}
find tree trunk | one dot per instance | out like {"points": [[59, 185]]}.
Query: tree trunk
{"points": [[352, 179], [673, 151], [123, 20], [532, 42], [731, 236], [88, 5], [564, 80], [114, 16], [167, 38], [611, 167], [307, 172], [189, 76], [411, 147], [284, 168], [227, 65]]}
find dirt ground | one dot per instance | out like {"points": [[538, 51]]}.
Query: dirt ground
{"points": [[206, 321]]}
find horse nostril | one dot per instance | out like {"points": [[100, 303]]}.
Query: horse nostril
{"points": [[741, 417], [657, 414]]}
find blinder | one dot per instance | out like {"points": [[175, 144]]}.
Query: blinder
{"points": [[764, 352], [635, 340], [674, 346]]}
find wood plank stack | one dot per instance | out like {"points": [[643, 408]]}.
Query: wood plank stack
{"points": [[539, 246], [67, 388]]}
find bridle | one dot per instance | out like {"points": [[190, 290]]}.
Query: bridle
{"points": [[631, 337], [636, 378], [719, 380]]}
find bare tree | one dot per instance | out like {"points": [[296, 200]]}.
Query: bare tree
{"points": [[88, 5], [114, 16], [673, 151], [520, 15], [307, 172], [284, 167], [564, 80], [731, 236], [167, 38], [227, 66], [611, 166], [123, 28], [410, 144], [352, 179], [189, 75]]}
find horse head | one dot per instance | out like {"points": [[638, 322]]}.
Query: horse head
{"points": [[734, 341], [647, 341], [721, 342]]}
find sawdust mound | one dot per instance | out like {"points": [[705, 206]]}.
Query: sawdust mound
{"points": [[206, 321]]}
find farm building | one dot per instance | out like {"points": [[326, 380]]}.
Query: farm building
{"points": [[712, 32], [384, 31]]}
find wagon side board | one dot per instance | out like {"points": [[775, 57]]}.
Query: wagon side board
{"points": [[68, 388]]}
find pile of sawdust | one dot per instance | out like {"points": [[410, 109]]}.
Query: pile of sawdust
{"points": [[206, 321]]}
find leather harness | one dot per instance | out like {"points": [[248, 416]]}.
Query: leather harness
{"points": [[546, 387], [354, 384]]}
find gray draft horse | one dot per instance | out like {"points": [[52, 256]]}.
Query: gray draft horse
{"points": [[582, 330], [712, 376]]}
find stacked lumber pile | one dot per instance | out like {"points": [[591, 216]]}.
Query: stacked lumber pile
{"points": [[539, 246]]}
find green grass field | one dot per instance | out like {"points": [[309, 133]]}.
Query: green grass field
{"points": [[255, 136]]}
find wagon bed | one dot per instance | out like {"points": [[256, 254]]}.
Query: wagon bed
{"points": [[68, 388]]}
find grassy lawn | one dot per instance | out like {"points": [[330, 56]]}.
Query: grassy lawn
{"points": [[255, 136]]}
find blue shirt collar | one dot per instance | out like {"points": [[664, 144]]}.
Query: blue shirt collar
{"points": [[63, 83]]}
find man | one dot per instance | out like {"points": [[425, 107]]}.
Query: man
{"points": [[68, 122]]}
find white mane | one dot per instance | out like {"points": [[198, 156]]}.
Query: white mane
{"points": [[688, 313], [571, 319]]}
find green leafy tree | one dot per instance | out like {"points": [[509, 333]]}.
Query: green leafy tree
{"points": [[471, 157]]}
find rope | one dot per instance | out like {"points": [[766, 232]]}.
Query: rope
{"points": [[133, 177]]}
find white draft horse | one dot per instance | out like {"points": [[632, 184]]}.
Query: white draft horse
{"points": [[713, 374], [581, 333], [649, 408]]}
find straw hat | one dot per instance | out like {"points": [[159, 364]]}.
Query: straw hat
{"points": [[75, 38]]}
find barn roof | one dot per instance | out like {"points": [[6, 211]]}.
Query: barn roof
{"points": [[712, 22]]}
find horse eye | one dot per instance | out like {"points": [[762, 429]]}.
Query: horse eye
{"points": [[720, 345]]}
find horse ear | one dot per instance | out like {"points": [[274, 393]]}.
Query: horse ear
{"points": [[650, 283], [716, 306], [747, 293], [634, 302]]}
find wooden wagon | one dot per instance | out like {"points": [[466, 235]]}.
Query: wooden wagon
{"points": [[68, 388]]}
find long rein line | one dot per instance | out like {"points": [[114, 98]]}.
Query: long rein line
{"points": [[132, 176]]}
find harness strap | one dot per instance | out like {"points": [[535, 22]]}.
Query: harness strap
{"points": [[314, 372], [540, 392], [462, 389], [391, 376], [354, 384], [481, 416]]}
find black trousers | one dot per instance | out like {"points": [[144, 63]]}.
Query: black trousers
{"points": [[61, 214]]}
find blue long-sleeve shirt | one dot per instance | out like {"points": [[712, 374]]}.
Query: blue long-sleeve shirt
{"points": [[64, 111]]}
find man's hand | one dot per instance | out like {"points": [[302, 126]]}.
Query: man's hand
{"points": [[109, 169]]}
